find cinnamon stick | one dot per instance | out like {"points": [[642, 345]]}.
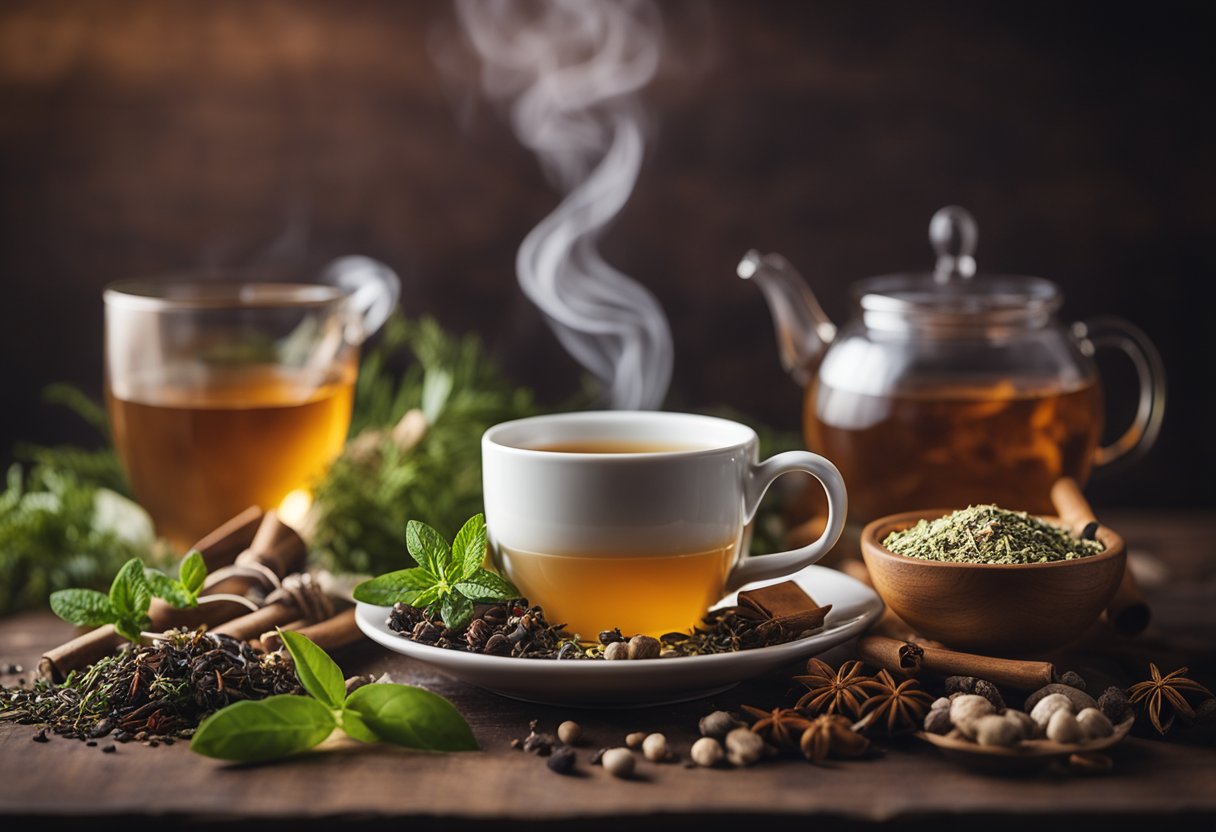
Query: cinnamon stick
{"points": [[1128, 611], [908, 658], [330, 634], [249, 538]]}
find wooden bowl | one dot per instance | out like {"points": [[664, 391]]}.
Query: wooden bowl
{"points": [[1003, 609]]}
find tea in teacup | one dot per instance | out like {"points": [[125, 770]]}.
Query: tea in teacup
{"points": [[635, 520]]}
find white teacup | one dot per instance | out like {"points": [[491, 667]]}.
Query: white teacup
{"points": [[636, 520]]}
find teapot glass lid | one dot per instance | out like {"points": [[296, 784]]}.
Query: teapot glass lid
{"points": [[953, 290]]}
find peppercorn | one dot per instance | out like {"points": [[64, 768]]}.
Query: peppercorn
{"points": [[569, 732], [654, 748]]}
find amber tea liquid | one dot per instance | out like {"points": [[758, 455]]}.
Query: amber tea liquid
{"points": [[196, 455], [951, 446], [640, 593]]}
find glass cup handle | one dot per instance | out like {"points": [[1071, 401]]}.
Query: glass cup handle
{"points": [[1116, 333], [374, 291], [759, 477]]}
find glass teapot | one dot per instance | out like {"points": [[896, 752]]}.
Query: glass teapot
{"points": [[948, 388]]}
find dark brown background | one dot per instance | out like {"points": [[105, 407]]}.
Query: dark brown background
{"points": [[142, 136]]}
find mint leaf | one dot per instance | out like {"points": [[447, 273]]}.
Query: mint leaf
{"points": [[427, 597], [401, 586], [162, 586], [455, 610], [252, 731], [469, 547], [131, 627], [427, 547], [82, 607], [193, 572], [356, 728], [317, 672], [130, 594], [484, 585], [412, 717]]}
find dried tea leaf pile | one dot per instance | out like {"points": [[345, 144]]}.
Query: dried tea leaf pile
{"points": [[162, 690], [988, 534]]}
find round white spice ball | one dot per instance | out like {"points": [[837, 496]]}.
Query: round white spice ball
{"points": [[996, 730], [1048, 706], [940, 702], [654, 748], [707, 752], [1094, 724], [619, 762], [635, 739], [1063, 727], [966, 709], [743, 747]]}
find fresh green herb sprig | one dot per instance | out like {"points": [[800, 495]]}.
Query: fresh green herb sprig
{"points": [[449, 579], [280, 726], [130, 596]]}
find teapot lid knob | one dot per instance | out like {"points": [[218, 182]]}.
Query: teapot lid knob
{"points": [[953, 234]]}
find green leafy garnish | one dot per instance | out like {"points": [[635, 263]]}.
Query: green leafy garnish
{"points": [[447, 579], [131, 592], [285, 725]]}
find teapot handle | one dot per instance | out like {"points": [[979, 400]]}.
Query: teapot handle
{"points": [[1099, 333]]}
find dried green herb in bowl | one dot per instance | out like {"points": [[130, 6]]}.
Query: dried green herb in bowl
{"points": [[989, 534]]}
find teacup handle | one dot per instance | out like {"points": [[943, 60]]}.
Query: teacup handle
{"points": [[374, 291], [1116, 333], [759, 477]]}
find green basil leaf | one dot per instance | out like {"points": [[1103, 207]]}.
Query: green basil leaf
{"points": [[193, 571], [131, 627], [412, 717], [356, 728], [484, 585], [251, 731], [401, 586], [162, 586], [317, 672], [82, 607], [455, 610], [469, 547], [130, 594], [427, 547]]}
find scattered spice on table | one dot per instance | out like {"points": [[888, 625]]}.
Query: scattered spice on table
{"points": [[835, 691], [146, 692], [988, 534]]}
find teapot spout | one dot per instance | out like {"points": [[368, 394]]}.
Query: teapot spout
{"points": [[803, 330]]}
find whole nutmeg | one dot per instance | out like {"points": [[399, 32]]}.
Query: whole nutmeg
{"points": [[718, 725], [1094, 724], [1079, 699], [996, 730], [569, 732], [1063, 727], [562, 761], [1048, 706], [707, 752], [937, 721], [1028, 729], [635, 739], [619, 762], [654, 748], [644, 647], [616, 651], [966, 709], [743, 748]]}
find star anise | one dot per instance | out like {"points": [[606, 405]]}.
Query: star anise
{"points": [[780, 727], [835, 691], [1166, 693], [897, 706], [831, 735]]}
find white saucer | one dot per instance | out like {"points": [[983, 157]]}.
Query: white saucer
{"points": [[638, 683]]}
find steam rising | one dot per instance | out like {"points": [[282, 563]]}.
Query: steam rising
{"points": [[569, 70]]}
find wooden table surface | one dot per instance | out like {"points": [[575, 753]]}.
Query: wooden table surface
{"points": [[1153, 781]]}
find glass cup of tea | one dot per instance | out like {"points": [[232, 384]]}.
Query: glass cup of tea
{"points": [[229, 391], [636, 520]]}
